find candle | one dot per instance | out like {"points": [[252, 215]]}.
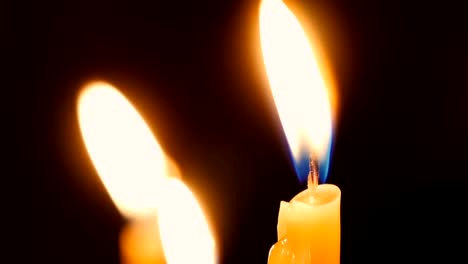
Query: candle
{"points": [[309, 225], [309, 228], [166, 224]]}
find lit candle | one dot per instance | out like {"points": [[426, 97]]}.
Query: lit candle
{"points": [[142, 182], [309, 225]]}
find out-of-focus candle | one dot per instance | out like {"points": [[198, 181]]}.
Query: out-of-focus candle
{"points": [[140, 242], [309, 225], [142, 182]]}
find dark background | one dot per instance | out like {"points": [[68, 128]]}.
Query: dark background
{"points": [[194, 70]]}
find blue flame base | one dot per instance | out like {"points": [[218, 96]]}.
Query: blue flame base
{"points": [[302, 164]]}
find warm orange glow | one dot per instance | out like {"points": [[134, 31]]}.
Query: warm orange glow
{"points": [[299, 89], [135, 171]]}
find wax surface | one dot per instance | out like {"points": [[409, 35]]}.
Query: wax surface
{"points": [[309, 228], [140, 243]]}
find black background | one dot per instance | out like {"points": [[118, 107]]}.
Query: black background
{"points": [[194, 70]]}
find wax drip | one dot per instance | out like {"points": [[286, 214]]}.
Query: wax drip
{"points": [[312, 178]]}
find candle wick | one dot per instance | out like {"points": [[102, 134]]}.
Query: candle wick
{"points": [[312, 179]]}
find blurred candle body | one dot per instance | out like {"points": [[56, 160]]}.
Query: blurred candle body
{"points": [[142, 182], [309, 225], [140, 242]]}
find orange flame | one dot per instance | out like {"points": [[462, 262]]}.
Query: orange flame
{"points": [[297, 84]]}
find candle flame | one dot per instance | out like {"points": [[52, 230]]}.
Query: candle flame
{"points": [[184, 231], [298, 87], [134, 170], [124, 152]]}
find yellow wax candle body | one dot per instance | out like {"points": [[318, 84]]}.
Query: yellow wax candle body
{"points": [[140, 243], [309, 228]]}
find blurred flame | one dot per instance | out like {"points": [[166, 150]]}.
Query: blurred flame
{"points": [[124, 152], [298, 87], [133, 168], [184, 231]]}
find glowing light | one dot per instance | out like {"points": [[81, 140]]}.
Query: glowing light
{"points": [[184, 232], [124, 152], [298, 87], [135, 172]]}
